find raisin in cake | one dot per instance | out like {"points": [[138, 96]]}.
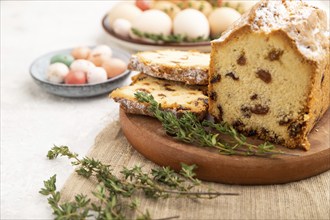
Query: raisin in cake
{"points": [[173, 96], [190, 67], [269, 73]]}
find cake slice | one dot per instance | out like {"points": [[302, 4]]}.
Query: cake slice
{"points": [[269, 73], [190, 67], [173, 96]]}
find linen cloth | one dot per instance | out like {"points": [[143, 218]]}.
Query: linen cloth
{"points": [[306, 199]]}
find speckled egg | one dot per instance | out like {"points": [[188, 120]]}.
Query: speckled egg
{"points": [[56, 72], [192, 24], [81, 52], [62, 58], [124, 10], [203, 6], [114, 67], [153, 22], [168, 7], [82, 65], [98, 59], [96, 75], [230, 3], [221, 18], [240, 6]]}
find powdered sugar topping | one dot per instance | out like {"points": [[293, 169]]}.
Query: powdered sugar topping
{"points": [[305, 24]]}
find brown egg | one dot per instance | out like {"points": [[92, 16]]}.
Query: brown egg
{"points": [[98, 59], [81, 52], [114, 67]]}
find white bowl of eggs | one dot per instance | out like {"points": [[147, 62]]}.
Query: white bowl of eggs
{"points": [[81, 71], [187, 24]]}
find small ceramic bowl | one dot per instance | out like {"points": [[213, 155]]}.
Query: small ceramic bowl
{"points": [[38, 72], [138, 45]]}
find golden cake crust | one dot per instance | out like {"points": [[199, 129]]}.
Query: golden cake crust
{"points": [[189, 67], [173, 96]]}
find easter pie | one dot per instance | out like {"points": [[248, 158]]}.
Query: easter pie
{"points": [[269, 73], [173, 96], [189, 67]]}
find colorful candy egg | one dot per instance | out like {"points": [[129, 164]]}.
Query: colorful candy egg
{"points": [[75, 77], [114, 67], [62, 58], [81, 52], [56, 72], [96, 75], [82, 65]]}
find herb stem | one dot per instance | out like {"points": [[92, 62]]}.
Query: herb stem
{"points": [[168, 218], [113, 191], [201, 193], [189, 129], [172, 38]]}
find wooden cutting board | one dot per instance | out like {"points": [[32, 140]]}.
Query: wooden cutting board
{"points": [[147, 136]]}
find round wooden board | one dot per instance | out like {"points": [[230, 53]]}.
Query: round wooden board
{"points": [[146, 135]]}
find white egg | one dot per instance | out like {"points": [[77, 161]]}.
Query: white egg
{"points": [[97, 75], [124, 10], [56, 72], [122, 27], [101, 50], [82, 65], [153, 22], [221, 18], [191, 23]]}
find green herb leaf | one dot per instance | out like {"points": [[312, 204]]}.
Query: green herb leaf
{"points": [[189, 129], [172, 38], [115, 194]]}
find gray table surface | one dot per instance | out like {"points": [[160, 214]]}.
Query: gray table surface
{"points": [[32, 121]]}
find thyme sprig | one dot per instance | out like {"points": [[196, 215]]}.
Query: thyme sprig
{"points": [[115, 194], [70, 210], [189, 129], [172, 38]]}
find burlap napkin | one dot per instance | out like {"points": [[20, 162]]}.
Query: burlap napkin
{"points": [[307, 199]]}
